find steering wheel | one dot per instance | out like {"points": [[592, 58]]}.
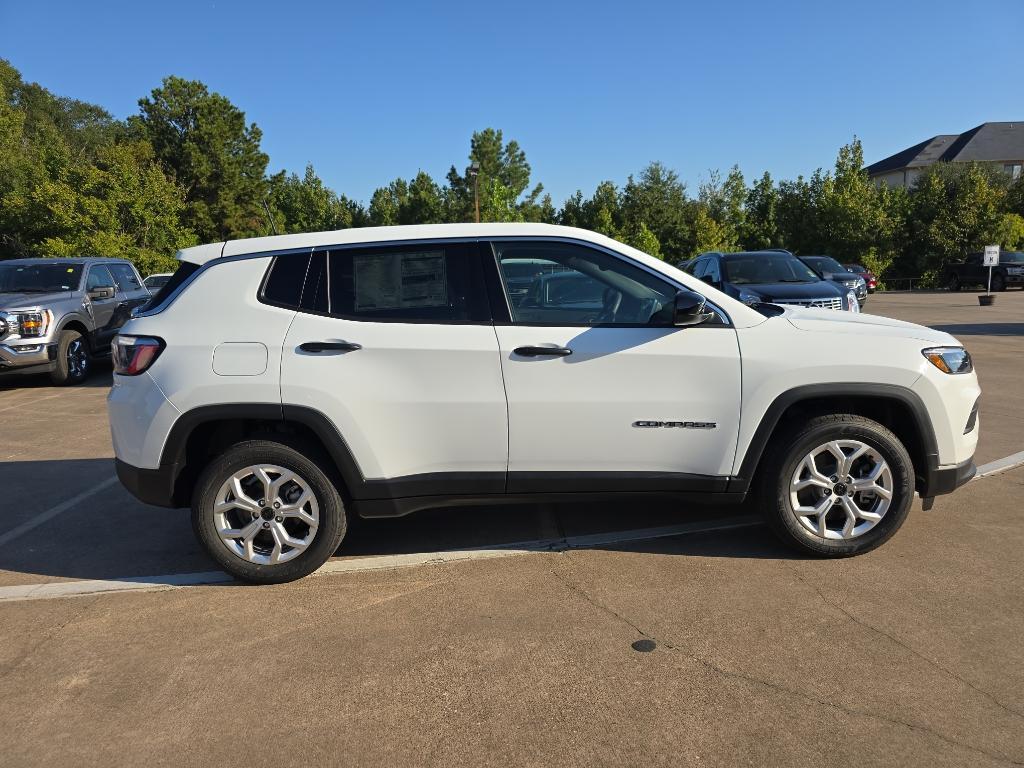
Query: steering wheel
{"points": [[611, 300]]}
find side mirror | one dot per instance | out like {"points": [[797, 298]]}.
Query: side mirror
{"points": [[102, 292], [690, 309], [711, 281]]}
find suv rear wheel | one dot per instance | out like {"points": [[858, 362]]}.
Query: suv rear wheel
{"points": [[266, 513], [73, 359], [838, 485]]}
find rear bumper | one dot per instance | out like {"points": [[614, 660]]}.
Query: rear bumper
{"points": [[151, 486], [940, 481]]}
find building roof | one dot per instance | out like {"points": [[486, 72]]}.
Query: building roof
{"points": [[986, 143]]}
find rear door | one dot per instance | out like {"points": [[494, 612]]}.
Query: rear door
{"points": [[613, 397], [130, 289], [395, 345]]}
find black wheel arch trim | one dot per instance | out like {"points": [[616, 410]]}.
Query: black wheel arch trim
{"points": [[891, 392]]}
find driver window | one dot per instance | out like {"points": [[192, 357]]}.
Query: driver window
{"points": [[551, 283], [713, 273], [99, 277]]}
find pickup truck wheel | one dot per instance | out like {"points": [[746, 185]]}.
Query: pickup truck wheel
{"points": [[73, 360], [953, 283], [838, 485], [266, 513], [998, 282]]}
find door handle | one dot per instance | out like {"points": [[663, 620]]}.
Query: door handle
{"points": [[329, 346], [542, 351]]}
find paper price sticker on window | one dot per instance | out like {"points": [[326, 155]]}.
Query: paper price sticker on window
{"points": [[991, 256], [400, 281]]}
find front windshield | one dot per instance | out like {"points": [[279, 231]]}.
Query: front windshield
{"points": [[39, 278], [763, 268], [826, 264]]}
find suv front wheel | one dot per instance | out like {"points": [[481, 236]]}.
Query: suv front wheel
{"points": [[266, 513], [838, 485]]}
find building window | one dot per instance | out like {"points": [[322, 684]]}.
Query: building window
{"points": [[1013, 169]]}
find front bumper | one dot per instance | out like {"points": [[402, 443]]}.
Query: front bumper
{"points": [[942, 480], [26, 355]]}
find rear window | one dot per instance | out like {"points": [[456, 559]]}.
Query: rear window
{"points": [[184, 271], [283, 287]]}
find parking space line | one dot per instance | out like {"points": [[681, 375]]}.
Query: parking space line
{"points": [[52, 512], [51, 590], [29, 401], [1000, 465]]}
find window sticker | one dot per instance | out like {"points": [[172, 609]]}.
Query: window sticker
{"points": [[400, 281]]}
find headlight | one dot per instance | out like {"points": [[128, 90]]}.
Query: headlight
{"points": [[949, 359], [31, 323], [750, 298], [851, 302]]}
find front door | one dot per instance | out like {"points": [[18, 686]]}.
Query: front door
{"points": [[396, 347], [604, 393], [101, 302]]}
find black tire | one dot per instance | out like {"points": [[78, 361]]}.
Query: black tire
{"points": [[954, 282], [998, 283], [326, 539], [789, 449], [74, 359]]}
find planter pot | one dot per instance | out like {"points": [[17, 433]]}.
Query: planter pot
{"points": [[986, 300]]}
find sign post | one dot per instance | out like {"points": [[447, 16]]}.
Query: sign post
{"points": [[991, 260]]}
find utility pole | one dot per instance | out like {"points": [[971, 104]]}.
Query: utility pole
{"points": [[474, 171]]}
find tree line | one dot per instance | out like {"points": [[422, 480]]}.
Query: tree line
{"points": [[188, 168]]}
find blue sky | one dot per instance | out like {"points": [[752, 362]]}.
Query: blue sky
{"points": [[591, 90]]}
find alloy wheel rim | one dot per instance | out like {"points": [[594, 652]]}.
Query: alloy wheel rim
{"points": [[77, 358], [266, 514], [841, 489]]}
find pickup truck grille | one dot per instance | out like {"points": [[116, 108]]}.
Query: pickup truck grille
{"points": [[829, 302]]}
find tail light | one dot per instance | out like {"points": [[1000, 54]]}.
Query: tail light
{"points": [[135, 354]]}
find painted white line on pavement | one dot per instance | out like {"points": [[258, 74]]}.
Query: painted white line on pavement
{"points": [[52, 512], [30, 401], [52, 590], [1000, 465]]}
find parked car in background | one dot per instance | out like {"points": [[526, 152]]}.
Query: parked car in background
{"points": [[830, 269], [57, 315], [771, 277], [972, 272], [870, 279], [155, 282]]}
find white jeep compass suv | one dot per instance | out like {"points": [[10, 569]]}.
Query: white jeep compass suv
{"points": [[279, 384]]}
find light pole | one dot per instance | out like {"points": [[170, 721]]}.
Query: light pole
{"points": [[474, 171]]}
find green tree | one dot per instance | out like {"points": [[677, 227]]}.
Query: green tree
{"points": [[658, 200], [308, 205], [424, 203], [204, 144], [504, 163], [761, 227], [123, 205]]}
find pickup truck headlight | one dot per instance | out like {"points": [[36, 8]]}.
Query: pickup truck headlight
{"points": [[749, 298], [949, 359], [30, 323], [851, 302]]}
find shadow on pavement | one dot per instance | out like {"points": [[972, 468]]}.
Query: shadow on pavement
{"points": [[101, 376], [983, 329], [110, 535]]}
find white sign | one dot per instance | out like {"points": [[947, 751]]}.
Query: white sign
{"points": [[991, 256]]}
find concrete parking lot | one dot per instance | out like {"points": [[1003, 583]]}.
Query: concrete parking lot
{"points": [[697, 641]]}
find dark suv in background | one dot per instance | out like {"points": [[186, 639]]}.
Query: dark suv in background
{"points": [[830, 269], [771, 277]]}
